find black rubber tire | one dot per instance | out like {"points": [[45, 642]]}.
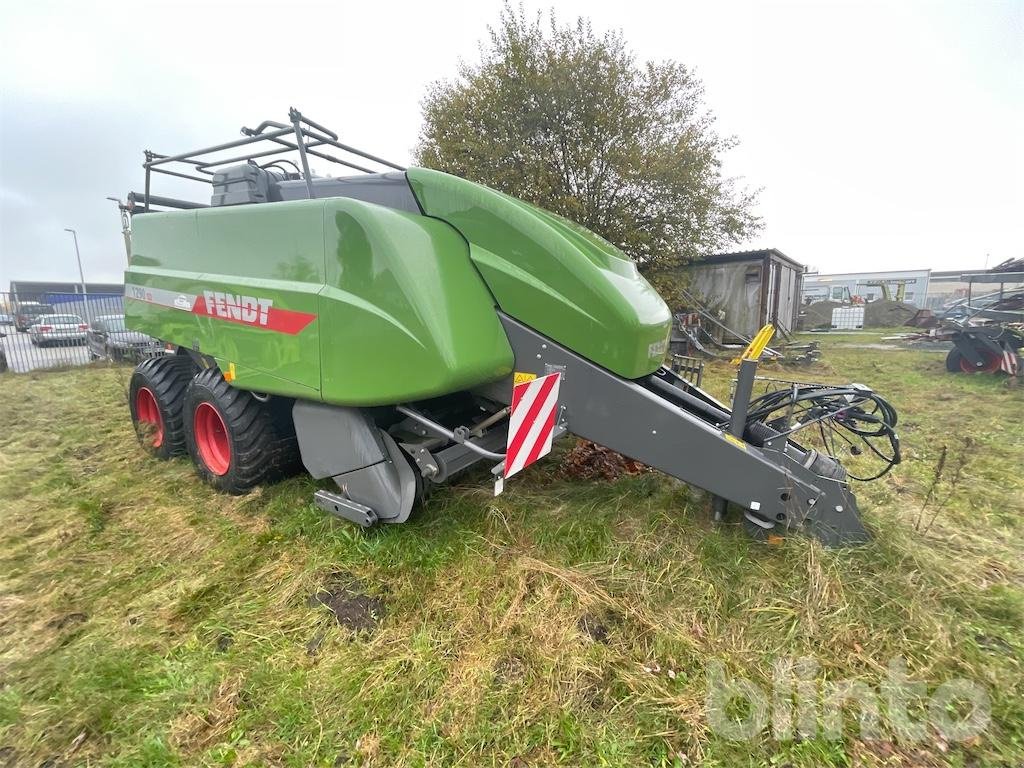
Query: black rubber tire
{"points": [[261, 434], [953, 361], [166, 377]]}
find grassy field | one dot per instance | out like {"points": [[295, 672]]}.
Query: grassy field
{"points": [[147, 621]]}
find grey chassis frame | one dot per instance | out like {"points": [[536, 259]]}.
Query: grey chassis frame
{"points": [[661, 421]]}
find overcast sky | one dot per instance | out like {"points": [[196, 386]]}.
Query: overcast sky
{"points": [[885, 135]]}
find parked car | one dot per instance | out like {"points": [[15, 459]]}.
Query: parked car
{"points": [[58, 329], [108, 337], [28, 313], [6, 319]]}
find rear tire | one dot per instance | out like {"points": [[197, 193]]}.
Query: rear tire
{"points": [[235, 440], [953, 360], [156, 396]]}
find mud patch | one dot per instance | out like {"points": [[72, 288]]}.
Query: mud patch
{"points": [[593, 628], [68, 620], [313, 646], [509, 670], [344, 596]]}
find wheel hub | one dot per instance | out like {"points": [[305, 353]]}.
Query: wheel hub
{"points": [[147, 412], [212, 439], [990, 363]]}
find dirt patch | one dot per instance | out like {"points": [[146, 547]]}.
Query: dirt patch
{"points": [[593, 628], [817, 315], [589, 461], [344, 596], [887, 314], [509, 670], [68, 620], [993, 644], [196, 730], [313, 646]]}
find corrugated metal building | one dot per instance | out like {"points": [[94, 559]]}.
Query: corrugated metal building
{"points": [[841, 286], [33, 290], [750, 288]]}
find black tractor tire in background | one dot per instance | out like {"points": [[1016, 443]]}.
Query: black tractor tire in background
{"points": [[953, 360], [236, 439], [156, 396]]}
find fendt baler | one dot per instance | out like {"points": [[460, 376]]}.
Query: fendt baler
{"points": [[394, 328]]}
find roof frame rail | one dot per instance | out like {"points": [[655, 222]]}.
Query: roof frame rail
{"points": [[301, 135]]}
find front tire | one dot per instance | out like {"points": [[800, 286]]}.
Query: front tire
{"points": [[236, 440], [156, 396]]}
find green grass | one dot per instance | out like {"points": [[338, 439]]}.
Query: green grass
{"points": [[148, 621]]}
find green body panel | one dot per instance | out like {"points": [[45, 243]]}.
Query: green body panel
{"points": [[408, 314], [398, 310], [275, 252], [553, 275]]}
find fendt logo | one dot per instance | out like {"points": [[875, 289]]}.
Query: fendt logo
{"points": [[245, 309], [253, 311]]}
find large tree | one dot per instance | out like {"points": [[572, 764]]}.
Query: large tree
{"points": [[568, 119]]}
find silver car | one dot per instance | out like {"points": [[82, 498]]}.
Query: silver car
{"points": [[109, 338], [58, 329]]}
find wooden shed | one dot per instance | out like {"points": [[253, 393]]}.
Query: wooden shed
{"points": [[748, 289]]}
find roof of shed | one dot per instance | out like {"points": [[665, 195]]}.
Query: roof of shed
{"points": [[755, 255]]}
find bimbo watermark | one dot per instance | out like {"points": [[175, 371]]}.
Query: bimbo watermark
{"points": [[802, 704]]}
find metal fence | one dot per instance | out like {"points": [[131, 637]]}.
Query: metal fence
{"points": [[64, 329], [689, 368]]}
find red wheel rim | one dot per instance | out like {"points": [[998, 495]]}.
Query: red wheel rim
{"points": [[992, 363], [147, 412], [212, 439]]}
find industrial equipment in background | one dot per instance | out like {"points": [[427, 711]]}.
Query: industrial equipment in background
{"points": [[986, 331], [855, 301], [392, 329]]}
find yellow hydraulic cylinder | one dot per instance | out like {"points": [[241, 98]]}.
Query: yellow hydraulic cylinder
{"points": [[757, 345]]}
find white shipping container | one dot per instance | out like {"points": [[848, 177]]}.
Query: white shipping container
{"points": [[848, 318]]}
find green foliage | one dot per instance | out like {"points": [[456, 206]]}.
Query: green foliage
{"points": [[568, 119]]}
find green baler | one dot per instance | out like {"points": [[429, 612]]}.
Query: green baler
{"points": [[395, 328]]}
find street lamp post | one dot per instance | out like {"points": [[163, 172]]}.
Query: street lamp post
{"points": [[81, 274]]}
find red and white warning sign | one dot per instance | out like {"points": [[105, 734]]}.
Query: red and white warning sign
{"points": [[531, 422]]}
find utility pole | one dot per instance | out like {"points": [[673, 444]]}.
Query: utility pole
{"points": [[81, 274]]}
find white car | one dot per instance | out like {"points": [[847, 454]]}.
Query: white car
{"points": [[58, 329]]}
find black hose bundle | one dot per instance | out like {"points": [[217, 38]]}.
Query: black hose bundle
{"points": [[853, 414]]}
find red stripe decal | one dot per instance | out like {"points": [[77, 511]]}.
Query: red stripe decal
{"points": [[538, 446], [535, 407], [273, 318]]}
